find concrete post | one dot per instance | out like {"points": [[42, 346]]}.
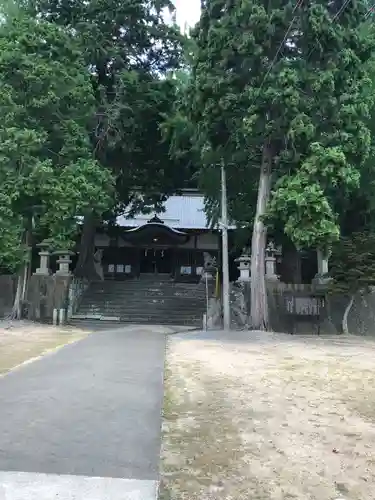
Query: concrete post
{"points": [[62, 316], [55, 317], [225, 256]]}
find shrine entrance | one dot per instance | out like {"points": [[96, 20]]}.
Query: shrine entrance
{"points": [[157, 245], [156, 261]]}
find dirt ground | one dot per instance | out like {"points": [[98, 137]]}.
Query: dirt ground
{"points": [[22, 341], [269, 417]]}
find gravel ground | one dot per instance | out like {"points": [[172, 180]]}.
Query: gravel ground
{"points": [[23, 341], [269, 417]]}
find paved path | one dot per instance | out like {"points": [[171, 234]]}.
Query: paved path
{"points": [[93, 409]]}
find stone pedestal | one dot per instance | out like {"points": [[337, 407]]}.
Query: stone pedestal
{"points": [[64, 262], [44, 254], [322, 263], [322, 278]]}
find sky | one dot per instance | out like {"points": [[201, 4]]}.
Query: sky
{"points": [[187, 11]]}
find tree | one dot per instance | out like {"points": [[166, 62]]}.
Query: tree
{"points": [[357, 212], [48, 176], [130, 51], [280, 97], [353, 269]]}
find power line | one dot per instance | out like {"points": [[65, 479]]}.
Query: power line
{"points": [[281, 45], [334, 18], [274, 60], [341, 9], [370, 11], [337, 15]]}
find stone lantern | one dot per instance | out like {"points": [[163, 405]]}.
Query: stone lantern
{"points": [[270, 258], [44, 254], [244, 266], [64, 260]]}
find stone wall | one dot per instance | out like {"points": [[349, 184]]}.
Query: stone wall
{"points": [[7, 293], [361, 319], [45, 293]]}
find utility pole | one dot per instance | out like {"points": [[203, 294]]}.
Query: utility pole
{"points": [[225, 257]]}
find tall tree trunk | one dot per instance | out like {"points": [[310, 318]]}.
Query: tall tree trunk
{"points": [[85, 267], [259, 302], [17, 304], [23, 277]]}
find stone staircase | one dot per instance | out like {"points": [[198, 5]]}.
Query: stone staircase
{"points": [[152, 299]]}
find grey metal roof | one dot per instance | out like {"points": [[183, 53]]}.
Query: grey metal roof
{"points": [[181, 212]]}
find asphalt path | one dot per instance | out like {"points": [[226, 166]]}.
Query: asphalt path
{"points": [[85, 422]]}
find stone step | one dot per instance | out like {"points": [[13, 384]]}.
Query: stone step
{"points": [[163, 321], [146, 294], [140, 283], [97, 324], [163, 308], [127, 283], [135, 314], [96, 309], [142, 307], [112, 321], [145, 301], [149, 290], [178, 302]]}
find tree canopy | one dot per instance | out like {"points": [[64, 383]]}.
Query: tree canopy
{"points": [[281, 95], [48, 175], [353, 268], [131, 51]]}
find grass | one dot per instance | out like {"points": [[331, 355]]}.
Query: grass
{"points": [[21, 342], [274, 418]]}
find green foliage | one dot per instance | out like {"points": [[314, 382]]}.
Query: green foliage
{"points": [[352, 264], [358, 211], [130, 50], [47, 172], [298, 75]]}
